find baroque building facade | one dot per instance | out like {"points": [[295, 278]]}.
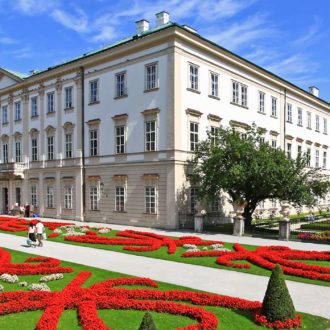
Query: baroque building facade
{"points": [[105, 137]]}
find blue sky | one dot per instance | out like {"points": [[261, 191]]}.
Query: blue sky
{"points": [[288, 37]]}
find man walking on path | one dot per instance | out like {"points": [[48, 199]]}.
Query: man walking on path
{"points": [[40, 232]]}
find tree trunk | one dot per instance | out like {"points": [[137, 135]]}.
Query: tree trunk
{"points": [[247, 214]]}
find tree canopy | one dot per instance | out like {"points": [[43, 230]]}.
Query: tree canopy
{"points": [[251, 171]]}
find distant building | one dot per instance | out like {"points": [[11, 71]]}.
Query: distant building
{"points": [[105, 137]]}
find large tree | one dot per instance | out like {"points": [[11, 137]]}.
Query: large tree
{"points": [[251, 171]]}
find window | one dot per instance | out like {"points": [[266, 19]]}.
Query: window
{"points": [[239, 94], [300, 118], [5, 152], [274, 143], [93, 142], [309, 120], [18, 152], [214, 84], [121, 89], [299, 150], [68, 190], [151, 76], [34, 106], [289, 113], [120, 139], [50, 147], [274, 107], [94, 198], [34, 149], [68, 92], [50, 197], [50, 102], [325, 126], [193, 135], [150, 136], [34, 195], [150, 200], [93, 91], [193, 77], [5, 114], [213, 134], [120, 198], [317, 123], [193, 199], [288, 150], [261, 102], [274, 202], [317, 158], [68, 145], [324, 159], [18, 110], [308, 152]]}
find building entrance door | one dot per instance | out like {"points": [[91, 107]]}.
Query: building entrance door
{"points": [[5, 200], [18, 196]]}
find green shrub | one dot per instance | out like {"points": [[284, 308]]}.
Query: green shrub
{"points": [[277, 304], [147, 323]]}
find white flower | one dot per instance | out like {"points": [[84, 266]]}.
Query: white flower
{"points": [[38, 287], [104, 231], [84, 229], [193, 250], [205, 248], [52, 277], [9, 278], [21, 284], [216, 246], [58, 231], [189, 246]]}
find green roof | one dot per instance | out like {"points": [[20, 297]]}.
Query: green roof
{"points": [[16, 74]]}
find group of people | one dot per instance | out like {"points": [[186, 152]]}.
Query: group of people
{"points": [[36, 233]]}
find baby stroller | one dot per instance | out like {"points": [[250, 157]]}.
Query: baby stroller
{"points": [[31, 243]]}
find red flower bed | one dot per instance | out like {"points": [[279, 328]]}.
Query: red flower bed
{"points": [[43, 265], [140, 241], [287, 324], [107, 295], [13, 224], [53, 235], [268, 256], [310, 236]]}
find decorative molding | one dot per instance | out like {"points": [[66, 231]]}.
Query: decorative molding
{"points": [[214, 117], [68, 126], [120, 177], [153, 111], [308, 142], [49, 178], [274, 133], [234, 123], [94, 122], [41, 90], [58, 85], [324, 146], [123, 116], [94, 178], [193, 112], [68, 178], [317, 144], [17, 135], [33, 131], [150, 176], [298, 139], [50, 129], [289, 137]]}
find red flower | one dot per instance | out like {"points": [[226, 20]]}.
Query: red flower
{"points": [[287, 324]]}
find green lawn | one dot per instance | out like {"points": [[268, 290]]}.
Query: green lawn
{"points": [[126, 320], [202, 261]]}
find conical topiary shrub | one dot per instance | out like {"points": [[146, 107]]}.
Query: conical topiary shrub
{"points": [[147, 322], [277, 304]]}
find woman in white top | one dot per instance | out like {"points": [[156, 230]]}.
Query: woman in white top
{"points": [[32, 233]]}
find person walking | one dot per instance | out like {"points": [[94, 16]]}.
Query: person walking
{"points": [[40, 232], [32, 234]]}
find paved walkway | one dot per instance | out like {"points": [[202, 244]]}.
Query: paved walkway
{"points": [[210, 236], [307, 298]]}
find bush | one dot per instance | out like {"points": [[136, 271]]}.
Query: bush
{"points": [[277, 304], [147, 323]]}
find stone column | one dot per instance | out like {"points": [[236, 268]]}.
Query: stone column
{"points": [[58, 198], [59, 130], [41, 194], [25, 121], [42, 151], [198, 222], [11, 141], [284, 224]]}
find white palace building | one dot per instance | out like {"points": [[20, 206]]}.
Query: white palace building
{"points": [[105, 137]]}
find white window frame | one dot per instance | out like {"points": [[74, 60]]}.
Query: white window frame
{"points": [[324, 162], [68, 95], [309, 155], [5, 115], [120, 198], [68, 145], [309, 120], [151, 76], [68, 197], [150, 128], [121, 84], [94, 197], [300, 117], [33, 195], [5, 152], [120, 138], [274, 107], [244, 96], [193, 75], [317, 123], [94, 91], [289, 150], [193, 135], [18, 151], [18, 113], [93, 142], [325, 126], [51, 102], [317, 158], [34, 106], [289, 113], [150, 199], [261, 102], [34, 149], [274, 143], [50, 147], [214, 84], [50, 197]]}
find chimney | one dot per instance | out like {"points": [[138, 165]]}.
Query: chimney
{"points": [[142, 26], [162, 18], [314, 91]]}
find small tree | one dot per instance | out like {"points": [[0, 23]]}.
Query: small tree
{"points": [[147, 323], [277, 304], [250, 171]]}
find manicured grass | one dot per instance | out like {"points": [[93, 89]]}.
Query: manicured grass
{"points": [[127, 320], [201, 261]]}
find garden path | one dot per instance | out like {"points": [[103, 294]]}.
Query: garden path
{"points": [[307, 298]]}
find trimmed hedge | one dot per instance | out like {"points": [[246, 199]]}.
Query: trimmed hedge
{"points": [[147, 322]]}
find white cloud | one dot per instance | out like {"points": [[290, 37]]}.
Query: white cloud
{"points": [[78, 23], [32, 7], [8, 41]]}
